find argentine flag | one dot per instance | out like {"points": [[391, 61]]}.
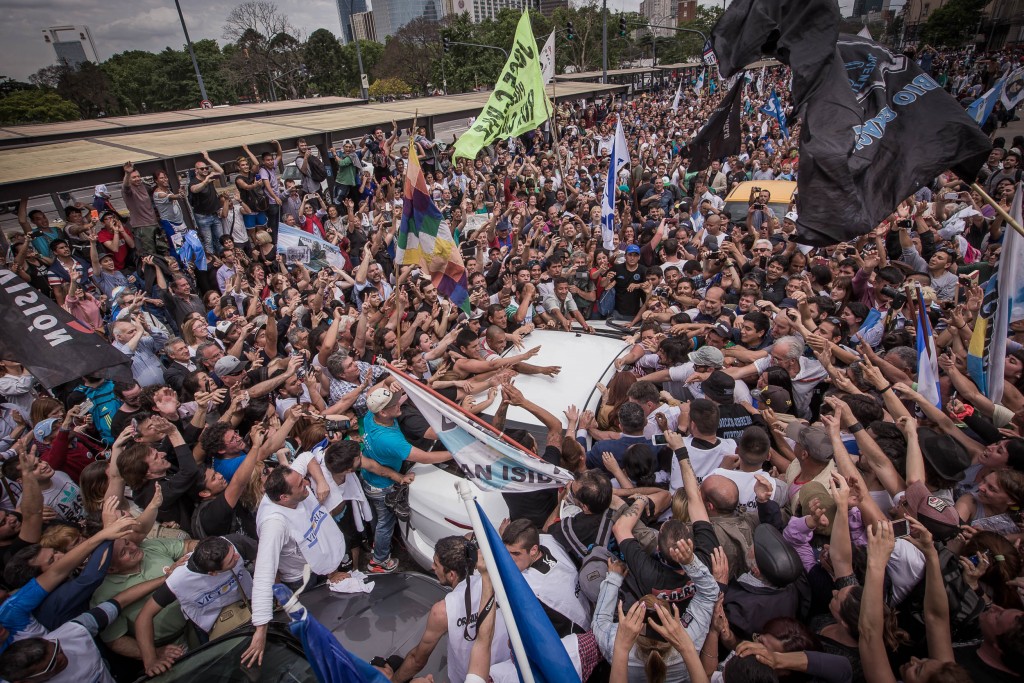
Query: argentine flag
{"points": [[620, 157], [981, 108]]}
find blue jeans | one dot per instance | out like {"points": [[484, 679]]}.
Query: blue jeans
{"points": [[210, 230], [384, 518]]}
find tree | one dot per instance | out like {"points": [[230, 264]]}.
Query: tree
{"points": [[89, 88], [35, 105], [687, 47], [384, 88], [371, 53], [954, 23], [270, 57], [324, 61], [411, 52], [47, 77]]}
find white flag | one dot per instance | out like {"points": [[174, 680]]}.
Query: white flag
{"points": [[547, 59], [865, 33], [760, 82], [679, 93]]}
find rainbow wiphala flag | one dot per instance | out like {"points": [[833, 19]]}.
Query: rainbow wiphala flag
{"points": [[424, 238]]}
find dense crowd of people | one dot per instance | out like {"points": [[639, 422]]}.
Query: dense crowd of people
{"points": [[764, 491]]}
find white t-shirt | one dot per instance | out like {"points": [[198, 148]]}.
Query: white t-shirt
{"points": [[804, 383], [681, 373], [703, 462], [65, 498], [745, 483]]}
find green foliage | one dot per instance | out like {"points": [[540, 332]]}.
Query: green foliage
{"points": [[323, 58], [371, 52], [411, 53], [388, 87], [34, 105], [687, 47], [953, 24]]}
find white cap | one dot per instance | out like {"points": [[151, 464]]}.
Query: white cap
{"points": [[382, 398], [101, 190], [791, 216]]}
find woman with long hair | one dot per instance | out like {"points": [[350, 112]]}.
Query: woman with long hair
{"points": [[613, 397]]}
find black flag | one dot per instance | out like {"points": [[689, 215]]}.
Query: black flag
{"points": [[875, 127], [721, 135], [48, 341], [877, 131]]}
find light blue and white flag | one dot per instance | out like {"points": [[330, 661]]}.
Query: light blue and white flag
{"points": [[760, 82], [927, 360], [491, 463], [699, 86], [773, 108], [620, 157], [981, 108], [1003, 304], [679, 94]]}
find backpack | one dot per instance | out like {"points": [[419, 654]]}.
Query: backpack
{"points": [[317, 172], [104, 406], [594, 567], [256, 198]]}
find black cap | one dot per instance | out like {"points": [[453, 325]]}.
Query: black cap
{"points": [[943, 453], [719, 387]]}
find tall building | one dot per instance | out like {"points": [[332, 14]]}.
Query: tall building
{"points": [[862, 8], [363, 27], [391, 15], [686, 11], [660, 12], [72, 45], [479, 10], [347, 8], [548, 7]]}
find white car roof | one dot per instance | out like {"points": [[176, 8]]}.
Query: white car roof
{"points": [[585, 360]]}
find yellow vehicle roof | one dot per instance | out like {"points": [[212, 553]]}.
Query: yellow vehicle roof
{"points": [[782, 190]]}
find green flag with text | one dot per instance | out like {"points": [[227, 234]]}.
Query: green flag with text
{"points": [[517, 103]]}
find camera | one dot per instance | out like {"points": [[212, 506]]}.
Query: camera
{"points": [[899, 299], [759, 206], [337, 425]]}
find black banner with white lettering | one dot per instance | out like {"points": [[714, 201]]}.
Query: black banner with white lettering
{"points": [[875, 128], [721, 135], [48, 341], [879, 130]]}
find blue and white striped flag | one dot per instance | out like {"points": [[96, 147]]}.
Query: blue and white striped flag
{"points": [[699, 86], [981, 108], [927, 360], [620, 157], [773, 108], [492, 464]]}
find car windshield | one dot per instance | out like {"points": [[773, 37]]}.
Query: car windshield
{"points": [[221, 662], [738, 210]]}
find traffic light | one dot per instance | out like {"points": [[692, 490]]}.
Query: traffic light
{"points": [[446, 42], [623, 28], [570, 32]]}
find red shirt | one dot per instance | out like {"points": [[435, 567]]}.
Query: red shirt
{"points": [[121, 255], [309, 222]]}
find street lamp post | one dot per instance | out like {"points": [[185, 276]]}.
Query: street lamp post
{"points": [[604, 41], [359, 53], [191, 52]]}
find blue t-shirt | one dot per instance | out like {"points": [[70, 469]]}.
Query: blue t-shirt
{"points": [[386, 445], [228, 466], [16, 611]]}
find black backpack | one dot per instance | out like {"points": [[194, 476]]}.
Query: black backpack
{"points": [[317, 172]]}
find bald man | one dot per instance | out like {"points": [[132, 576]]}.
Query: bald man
{"points": [[733, 529]]}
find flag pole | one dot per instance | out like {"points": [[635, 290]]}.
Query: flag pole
{"points": [[999, 209], [465, 413], [466, 492]]}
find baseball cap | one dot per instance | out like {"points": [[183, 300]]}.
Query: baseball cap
{"points": [[107, 255], [632, 249], [224, 327], [776, 398], [936, 514], [101, 190], [382, 398], [943, 453], [707, 356], [791, 216], [229, 365], [722, 330], [814, 438], [44, 428], [719, 387]]}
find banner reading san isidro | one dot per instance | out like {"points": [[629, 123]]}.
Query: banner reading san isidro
{"points": [[517, 103]]}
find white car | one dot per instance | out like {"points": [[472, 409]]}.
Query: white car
{"points": [[437, 510]]}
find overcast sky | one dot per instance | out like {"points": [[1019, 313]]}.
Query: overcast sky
{"points": [[119, 25]]}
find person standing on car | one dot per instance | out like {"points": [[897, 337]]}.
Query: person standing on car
{"points": [[384, 443], [295, 530]]}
